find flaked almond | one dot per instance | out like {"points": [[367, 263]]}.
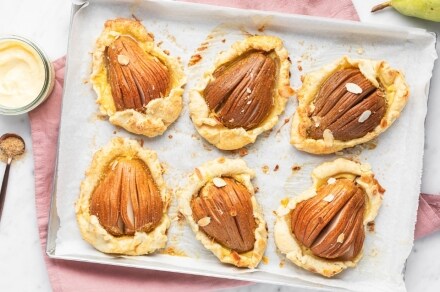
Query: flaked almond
{"points": [[329, 198], [123, 60], [204, 221], [331, 180], [317, 121], [218, 182], [353, 88], [328, 137], [341, 238], [364, 116]]}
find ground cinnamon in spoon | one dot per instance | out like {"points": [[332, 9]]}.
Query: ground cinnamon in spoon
{"points": [[11, 147]]}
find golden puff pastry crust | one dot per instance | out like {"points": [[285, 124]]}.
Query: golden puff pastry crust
{"points": [[159, 113], [301, 255], [205, 120], [379, 73], [92, 231], [238, 170]]}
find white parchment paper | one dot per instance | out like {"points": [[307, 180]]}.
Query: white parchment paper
{"points": [[311, 42]]}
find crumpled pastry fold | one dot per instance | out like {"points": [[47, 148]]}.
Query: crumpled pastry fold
{"points": [[237, 169], [301, 255], [160, 112], [379, 73], [92, 231], [204, 120]]}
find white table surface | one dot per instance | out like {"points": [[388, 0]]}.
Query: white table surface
{"points": [[47, 23]]}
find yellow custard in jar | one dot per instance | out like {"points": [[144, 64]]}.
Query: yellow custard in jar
{"points": [[26, 76]]}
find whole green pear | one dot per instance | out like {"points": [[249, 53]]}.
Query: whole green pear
{"points": [[425, 9]]}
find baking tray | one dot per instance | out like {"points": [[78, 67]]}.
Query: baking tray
{"points": [[311, 42]]}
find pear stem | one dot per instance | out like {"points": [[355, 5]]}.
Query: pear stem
{"points": [[381, 6]]}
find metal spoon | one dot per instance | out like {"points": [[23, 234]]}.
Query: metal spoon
{"points": [[8, 166]]}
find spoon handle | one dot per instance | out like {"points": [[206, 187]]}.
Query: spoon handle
{"points": [[4, 187]]}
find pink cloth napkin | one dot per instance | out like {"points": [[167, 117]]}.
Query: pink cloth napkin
{"points": [[76, 276], [428, 215]]}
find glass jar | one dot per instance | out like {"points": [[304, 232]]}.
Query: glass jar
{"points": [[48, 69]]}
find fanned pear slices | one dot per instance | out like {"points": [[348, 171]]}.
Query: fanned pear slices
{"points": [[123, 201], [347, 103], [220, 206], [323, 229], [138, 85], [243, 94]]}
